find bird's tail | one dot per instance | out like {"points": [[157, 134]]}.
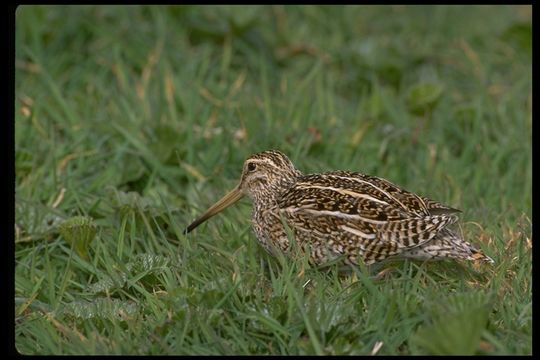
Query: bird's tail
{"points": [[448, 244]]}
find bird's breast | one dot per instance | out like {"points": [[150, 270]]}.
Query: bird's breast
{"points": [[269, 229]]}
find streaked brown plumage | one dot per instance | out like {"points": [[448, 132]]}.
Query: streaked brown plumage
{"points": [[358, 217]]}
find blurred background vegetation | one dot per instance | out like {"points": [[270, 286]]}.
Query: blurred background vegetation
{"points": [[131, 120]]}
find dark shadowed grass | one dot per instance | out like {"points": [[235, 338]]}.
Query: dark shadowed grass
{"points": [[139, 118]]}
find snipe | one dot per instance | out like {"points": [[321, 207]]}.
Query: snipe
{"points": [[345, 214]]}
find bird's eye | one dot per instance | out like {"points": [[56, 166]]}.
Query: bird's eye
{"points": [[251, 167]]}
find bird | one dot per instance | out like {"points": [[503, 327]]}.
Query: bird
{"points": [[343, 215]]}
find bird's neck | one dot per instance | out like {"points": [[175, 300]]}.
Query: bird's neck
{"points": [[269, 195]]}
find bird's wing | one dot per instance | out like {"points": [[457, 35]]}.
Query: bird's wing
{"points": [[410, 202], [371, 217], [436, 208]]}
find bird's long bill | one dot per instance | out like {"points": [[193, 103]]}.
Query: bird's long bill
{"points": [[224, 202]]}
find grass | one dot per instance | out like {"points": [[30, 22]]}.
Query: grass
{"points": [[130, 121]]}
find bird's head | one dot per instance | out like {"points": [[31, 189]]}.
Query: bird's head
{"points": [[264, 174]]}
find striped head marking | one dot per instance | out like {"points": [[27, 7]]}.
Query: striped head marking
{"points": [[265, 171]]}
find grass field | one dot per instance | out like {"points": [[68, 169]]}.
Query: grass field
{"points": [[131, 121]]}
